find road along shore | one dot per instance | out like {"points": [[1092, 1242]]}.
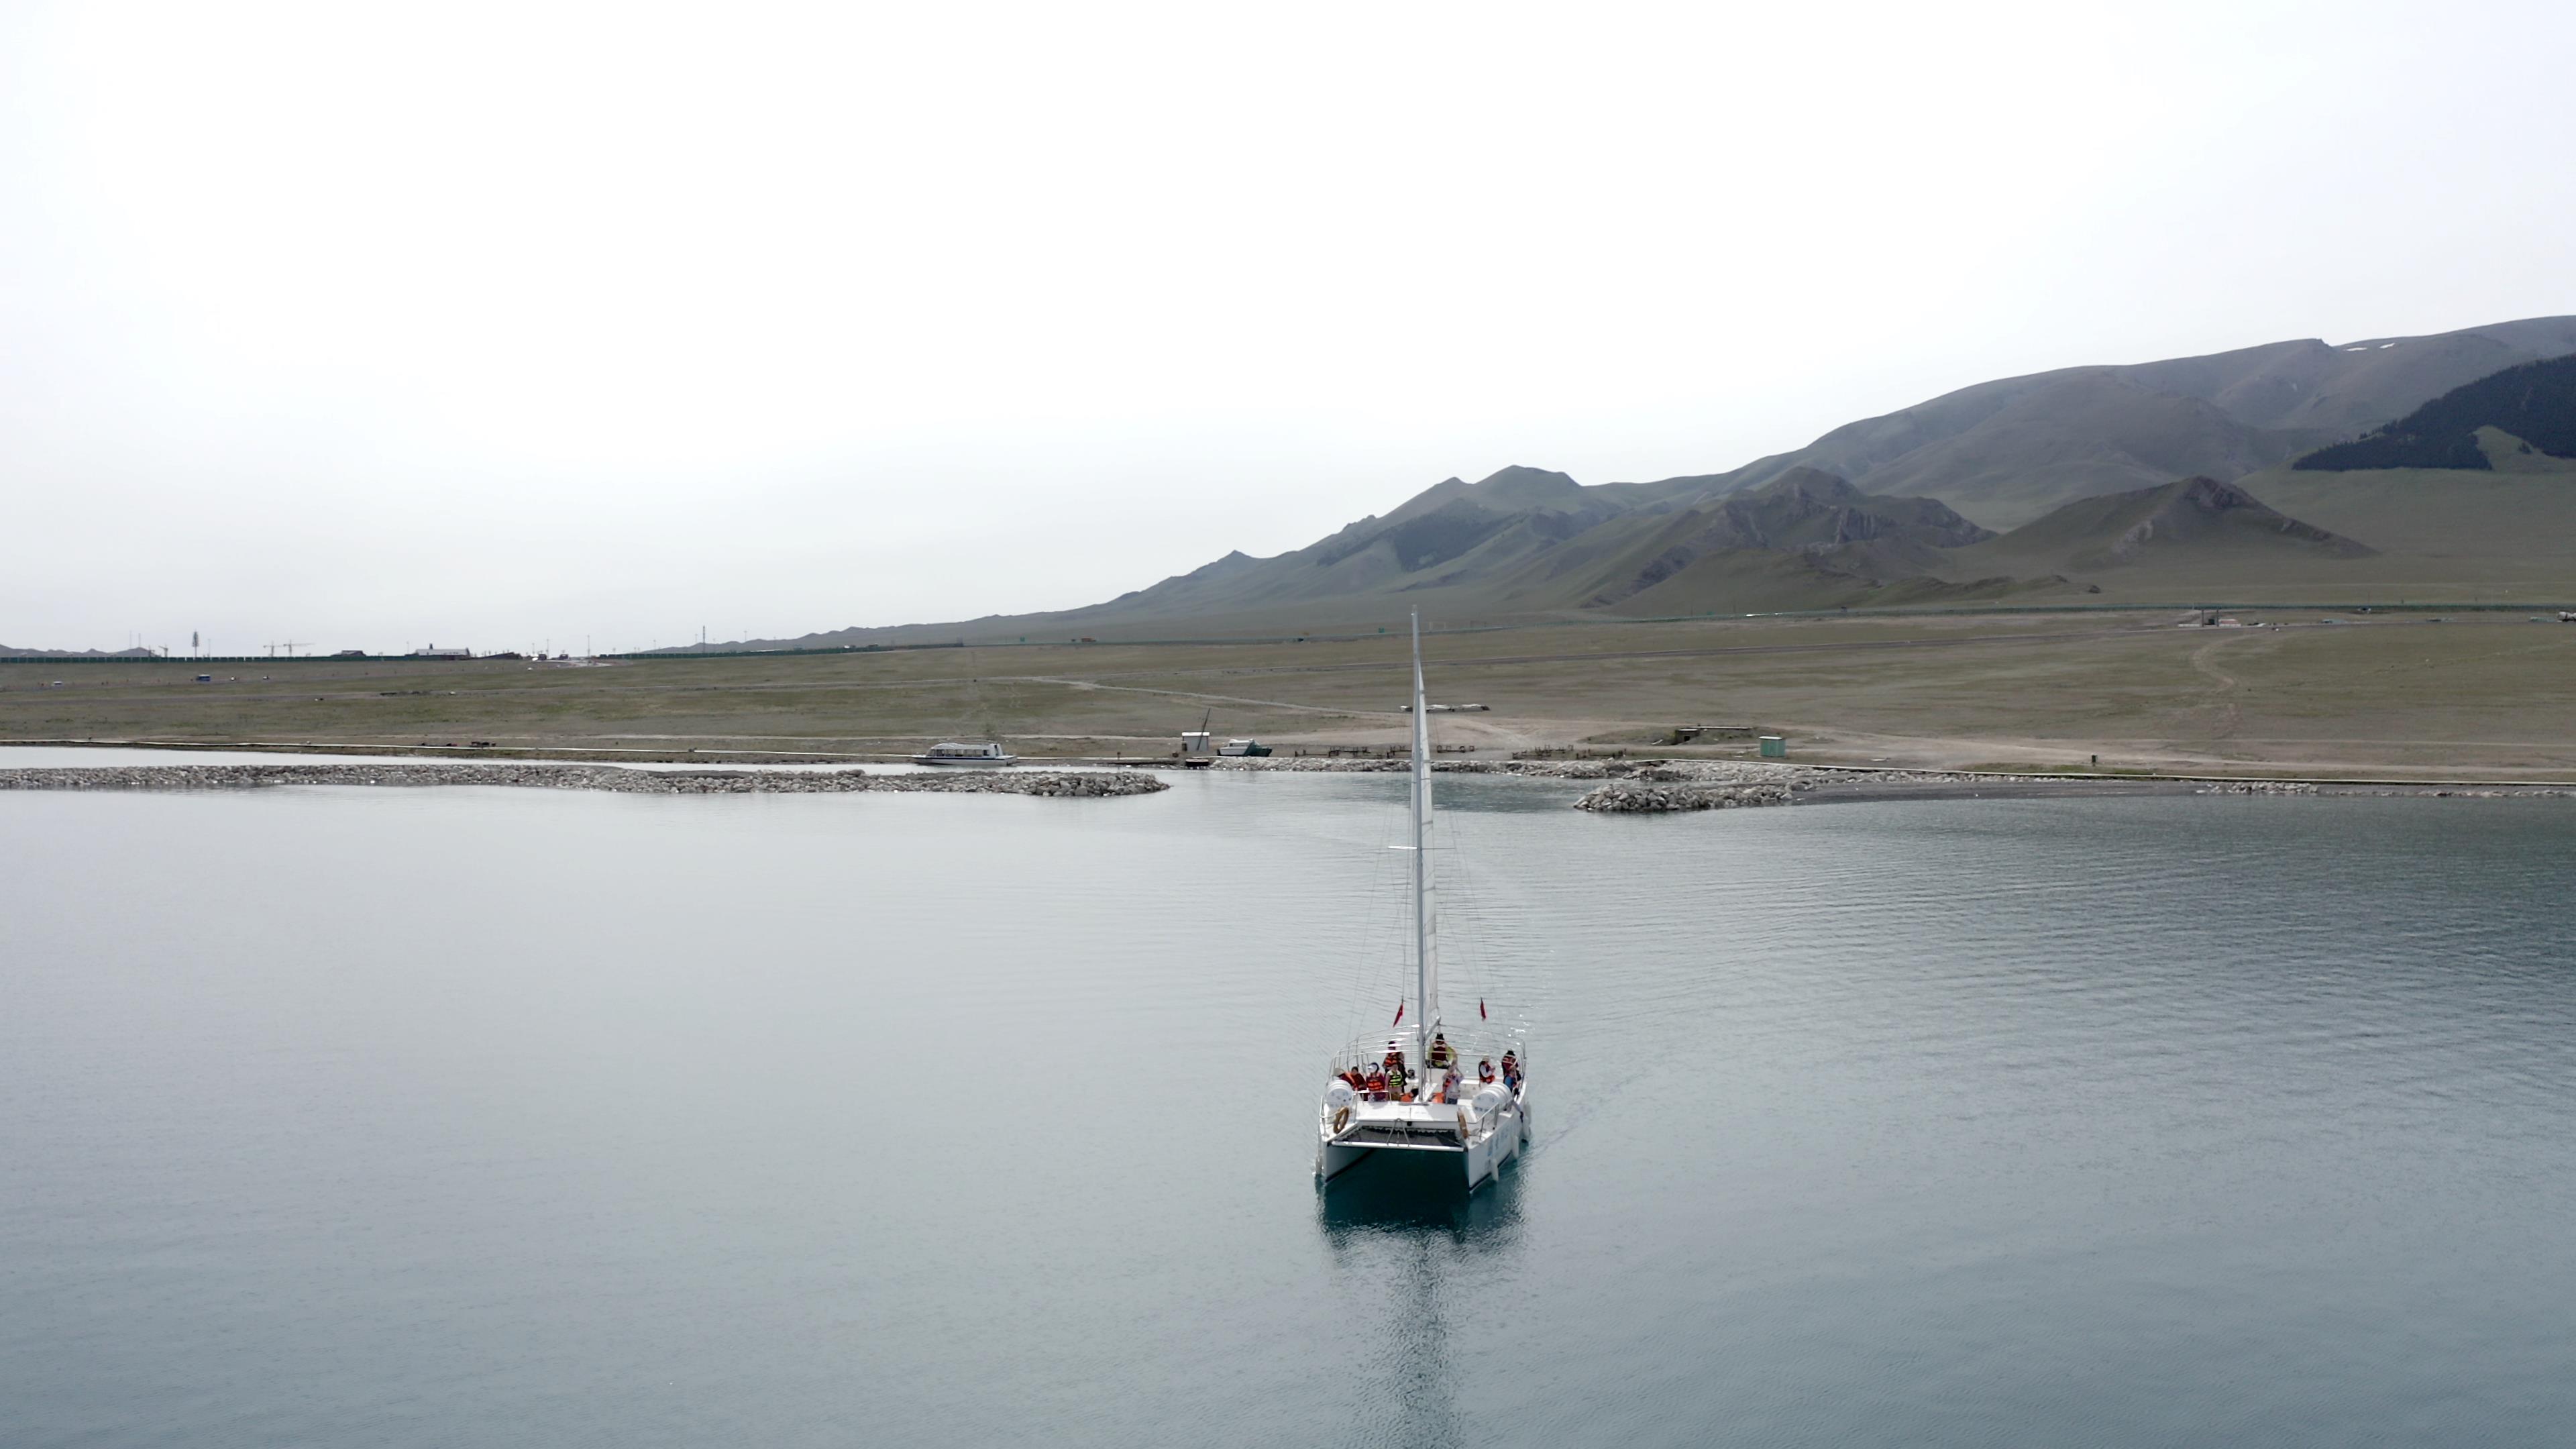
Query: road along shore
{"points": [[1090, 784]]}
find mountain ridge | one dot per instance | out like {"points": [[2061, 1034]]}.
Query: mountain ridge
{"points": [[1993, 456]]}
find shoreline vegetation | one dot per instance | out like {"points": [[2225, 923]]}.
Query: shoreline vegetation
{"points": [[1627, 787]]}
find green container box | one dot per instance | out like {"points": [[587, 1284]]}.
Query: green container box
{"points": [[1774, 748]]}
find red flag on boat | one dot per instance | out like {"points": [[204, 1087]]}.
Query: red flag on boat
{"points": [[1399, 1014], [1480, 1010]]}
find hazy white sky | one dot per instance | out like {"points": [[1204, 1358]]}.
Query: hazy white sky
{"points": [[372, 325]]}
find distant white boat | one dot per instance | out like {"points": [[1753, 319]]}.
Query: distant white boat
{"points": [[1399, 1098], [952, 753]]}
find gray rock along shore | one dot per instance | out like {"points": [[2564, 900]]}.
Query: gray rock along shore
{"points": [[1648, 793], [1647, 770], [1656, 786], [2429, 792], [1626, 798], [1731, 772], [1079, 783]]}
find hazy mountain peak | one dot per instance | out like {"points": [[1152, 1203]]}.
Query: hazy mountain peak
{"points": [[1523, 487], [2008, 451]]}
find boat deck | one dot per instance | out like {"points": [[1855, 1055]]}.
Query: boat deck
{"points": [[1402, 1134]]}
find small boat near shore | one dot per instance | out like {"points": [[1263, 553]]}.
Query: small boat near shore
{"points": [[1199, 749], [987, 754]]}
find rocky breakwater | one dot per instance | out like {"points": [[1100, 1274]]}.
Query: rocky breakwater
{"points": [[1718, 771], [1054, 783], [1657, 787], [1660, 787], [1648, 786], [1629, 797], [2424, 791]]}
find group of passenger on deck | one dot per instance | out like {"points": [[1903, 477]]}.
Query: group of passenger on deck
{"points": [[1388, 1082]]}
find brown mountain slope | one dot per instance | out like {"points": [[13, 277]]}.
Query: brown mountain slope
{"points": [[1769, 580], [1800, 511], [2004, 452], [2077, 436], [2194, 522]]}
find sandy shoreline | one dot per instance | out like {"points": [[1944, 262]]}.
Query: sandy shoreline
{"points": [[1088, 784]]}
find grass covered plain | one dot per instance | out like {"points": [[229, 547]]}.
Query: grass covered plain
{"points": [[2480, 695]]}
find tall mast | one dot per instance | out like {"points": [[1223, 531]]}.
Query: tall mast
{"points": [[1425, 1005]]}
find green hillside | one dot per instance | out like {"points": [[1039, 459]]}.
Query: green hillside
{"points": [[2534, 404]]}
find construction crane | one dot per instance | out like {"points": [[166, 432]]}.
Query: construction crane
{"points": [[290, 646]]}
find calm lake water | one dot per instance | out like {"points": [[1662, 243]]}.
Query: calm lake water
{"points": [[480, 1117]]}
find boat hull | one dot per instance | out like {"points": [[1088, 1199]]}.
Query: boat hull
{"points": [[1472, 1163]]}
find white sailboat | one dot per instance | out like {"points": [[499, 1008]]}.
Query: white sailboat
{"points": [[1466, 1131]]}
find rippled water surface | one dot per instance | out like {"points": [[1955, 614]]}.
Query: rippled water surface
{"points": [[473, 1116]]}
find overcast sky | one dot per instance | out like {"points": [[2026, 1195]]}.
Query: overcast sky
{"points": [[373, 326]]}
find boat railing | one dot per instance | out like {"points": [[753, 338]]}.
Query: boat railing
{"points": [[1453, 1119], [1470, 1047]]}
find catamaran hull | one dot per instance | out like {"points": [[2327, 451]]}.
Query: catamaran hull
{"points": [[1332, 1159], [1475, 1163]]}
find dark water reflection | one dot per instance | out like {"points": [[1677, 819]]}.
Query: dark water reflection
{"points": [[1417, 1246]]}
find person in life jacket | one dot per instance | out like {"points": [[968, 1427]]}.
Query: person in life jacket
{"points": [[1441, 1053], [1395, 1082], [1512, 1071], [1375, 1084], [1485, 1069], [1448, 1087]]}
